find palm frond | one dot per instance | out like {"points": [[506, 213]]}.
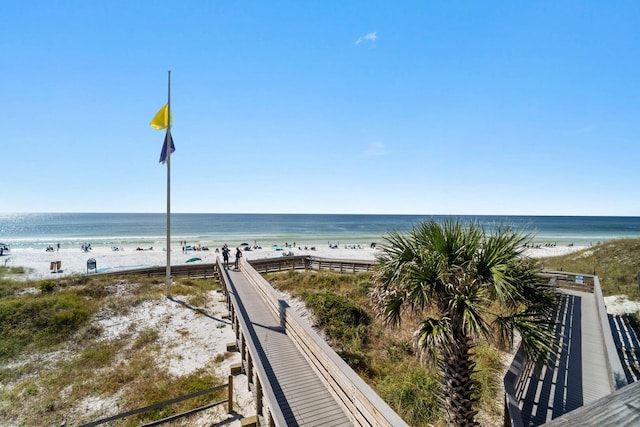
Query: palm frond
{"points": [[538, 338], [433, 335]]}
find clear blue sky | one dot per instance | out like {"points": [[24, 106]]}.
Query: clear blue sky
{"points": [[383, 107]]}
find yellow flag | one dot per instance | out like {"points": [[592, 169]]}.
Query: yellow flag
{"points": [[161, 119]]}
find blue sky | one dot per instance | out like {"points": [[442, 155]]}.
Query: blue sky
{"points": [[385, 107]]}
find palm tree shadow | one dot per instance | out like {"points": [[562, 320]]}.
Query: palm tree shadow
{"points": [[556, 387]]}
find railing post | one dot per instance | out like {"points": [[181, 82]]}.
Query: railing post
{"points": [[243, 348], [258, 396], [230, 395]]}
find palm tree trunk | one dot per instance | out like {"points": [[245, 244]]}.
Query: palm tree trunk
{"points": [[460, 390]]}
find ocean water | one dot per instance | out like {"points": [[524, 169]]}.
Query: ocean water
{"points": [[38, 230]]}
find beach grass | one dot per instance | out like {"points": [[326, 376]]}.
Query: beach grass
{"points": [[617, 264], [8, 286], [54, 357]]}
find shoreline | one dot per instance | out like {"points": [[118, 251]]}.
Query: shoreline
{"points": [[73, 261]]}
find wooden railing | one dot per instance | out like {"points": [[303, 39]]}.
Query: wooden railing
{"points": [[268, 265], [266, 401], [306, 262], [339, 265], [265, 265], [159, 405], [521, 368], [360, 402], [574, 281], [200, 271]]}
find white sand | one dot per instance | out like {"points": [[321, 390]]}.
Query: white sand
{"points": [[190, 340], [550, 251], [74, 261], [620, 304]]}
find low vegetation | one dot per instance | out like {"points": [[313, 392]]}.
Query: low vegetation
{"points": [[7, 285], [56, 365], [617, 264], [386, 359]]}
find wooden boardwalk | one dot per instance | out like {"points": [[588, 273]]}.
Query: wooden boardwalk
{"points": [[579, 372], [297, 379], [303, 398], [627, 344]]}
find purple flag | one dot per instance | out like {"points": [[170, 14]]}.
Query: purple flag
{"points": [[163, 154]]}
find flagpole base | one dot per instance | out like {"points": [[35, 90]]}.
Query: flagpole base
{"points": [[169, 282]]}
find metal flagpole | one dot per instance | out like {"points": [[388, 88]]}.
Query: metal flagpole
{"points": [[169, 139]]}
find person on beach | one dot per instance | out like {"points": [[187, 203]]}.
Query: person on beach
{"points": [[238, 256], [225, 255]]}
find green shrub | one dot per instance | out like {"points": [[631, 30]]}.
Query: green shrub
{"points": [[47, 287], [39, 321], [329, 307], [340, 318]]}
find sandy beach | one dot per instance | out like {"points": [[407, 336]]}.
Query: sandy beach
{"points": [[72, 261]]}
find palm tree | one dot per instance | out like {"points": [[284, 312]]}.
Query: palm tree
{"points": [[464, 284]]}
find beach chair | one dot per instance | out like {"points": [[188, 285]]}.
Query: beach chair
{"points": [[55, 266]]}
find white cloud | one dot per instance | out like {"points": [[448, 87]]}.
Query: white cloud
{"points": [[369, 39], [375, 149]]}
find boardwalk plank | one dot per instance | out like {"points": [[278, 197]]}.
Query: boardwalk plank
{"points": [[302, 395], [578, 374]]}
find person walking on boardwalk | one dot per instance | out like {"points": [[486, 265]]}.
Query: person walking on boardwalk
{"points": [[238, 256], [225, 255]]}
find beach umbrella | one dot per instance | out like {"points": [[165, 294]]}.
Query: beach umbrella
{"points": [[193, 259]]}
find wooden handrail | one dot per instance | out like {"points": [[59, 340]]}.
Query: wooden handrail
{"points": [[263, 265], [520, 367], [243, 321], [229, 401], [356, 397], [308, 262]]}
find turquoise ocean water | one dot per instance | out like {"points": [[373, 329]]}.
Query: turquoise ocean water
{"points": [[38, 230]]}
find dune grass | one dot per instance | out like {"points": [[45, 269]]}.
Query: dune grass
{"points": [[54, 358], [617, 264]]}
